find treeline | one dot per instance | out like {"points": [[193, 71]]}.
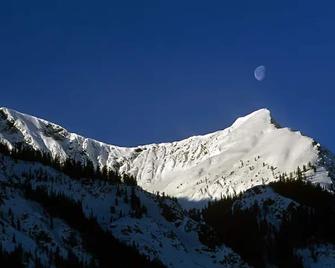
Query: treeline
{"points": [[18, 258], [304, 192], [248, 233], [138, 210], [106, 250], [12, 259], [74, 169], [310, 223], [237, 228], [167, 207]]}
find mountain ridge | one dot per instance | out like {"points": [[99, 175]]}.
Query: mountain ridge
{"points": [[201, 167]]}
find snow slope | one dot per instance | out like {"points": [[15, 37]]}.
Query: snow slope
{"points": [[25, 223], [251, 152]]}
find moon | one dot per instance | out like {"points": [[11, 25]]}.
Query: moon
{"points": [[260, 72]]}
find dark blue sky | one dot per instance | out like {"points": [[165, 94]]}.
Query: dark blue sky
{"points": [[135, 72]]}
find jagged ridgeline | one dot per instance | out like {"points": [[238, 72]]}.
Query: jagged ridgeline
{"points": [[196, 169]]}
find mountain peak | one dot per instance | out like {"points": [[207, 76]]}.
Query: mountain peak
{"points": [[260, 112], [260, 116]]}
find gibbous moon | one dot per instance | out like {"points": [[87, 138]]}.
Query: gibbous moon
{"points": [[260, 72]]}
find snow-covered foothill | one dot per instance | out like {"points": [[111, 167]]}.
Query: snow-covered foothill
{"points": [[173, 241]]}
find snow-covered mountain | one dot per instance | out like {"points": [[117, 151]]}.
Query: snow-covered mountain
{"points": [[56, 210], [253, 151]]}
